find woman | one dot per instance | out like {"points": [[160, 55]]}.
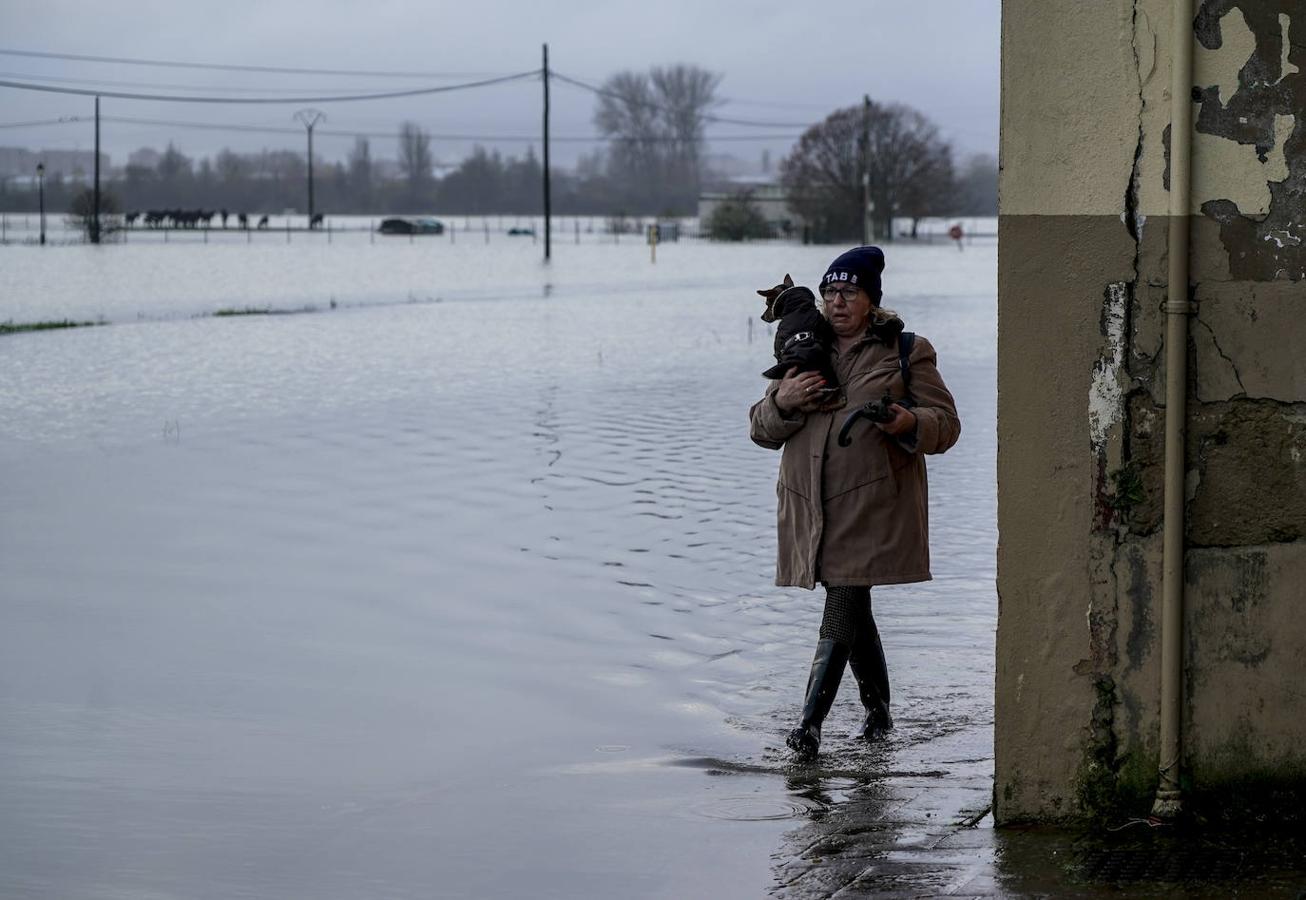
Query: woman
{"points": [[856, 516]]}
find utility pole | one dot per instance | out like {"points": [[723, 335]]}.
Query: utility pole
{"points": [[548, 220], [868, 206], [40, 180], [95, 200], [309, 118]]}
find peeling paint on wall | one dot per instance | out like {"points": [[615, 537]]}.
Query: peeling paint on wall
{"points": [[1105, 394], [1219, 65], [1261, 228], [1241, 173], [1286, 67]]}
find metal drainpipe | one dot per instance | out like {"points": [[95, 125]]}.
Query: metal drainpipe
{"points": [[1178, 309]]}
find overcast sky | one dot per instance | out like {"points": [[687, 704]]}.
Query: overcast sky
{"points": [[789, 63]]}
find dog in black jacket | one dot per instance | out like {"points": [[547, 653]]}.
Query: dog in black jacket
{"points": [[803, 336]]}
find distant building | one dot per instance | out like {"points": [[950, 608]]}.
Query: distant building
{"points": [[727, 165], [144, 158], [74, 164], [763, 192]]}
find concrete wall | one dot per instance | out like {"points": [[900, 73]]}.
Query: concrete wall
{"points": [[1084, 214]]}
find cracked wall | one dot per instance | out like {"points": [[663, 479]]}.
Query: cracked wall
{"points": [[1084, 219]]}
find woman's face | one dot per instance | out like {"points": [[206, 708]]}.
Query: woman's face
{"points": [[848, 308]]}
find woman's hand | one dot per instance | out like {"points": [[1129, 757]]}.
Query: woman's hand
{"points": [[799, 392], [903, 421]]}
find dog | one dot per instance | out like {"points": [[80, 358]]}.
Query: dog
{"points": [[803, 337]]}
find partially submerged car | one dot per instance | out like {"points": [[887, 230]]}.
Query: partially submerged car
{"points": [[409, 225]]}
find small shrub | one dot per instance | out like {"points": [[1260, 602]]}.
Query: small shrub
{"points": [[737, 219], [81, 213]]}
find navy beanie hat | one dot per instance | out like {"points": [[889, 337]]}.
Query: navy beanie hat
{"points": [[860, 266]]}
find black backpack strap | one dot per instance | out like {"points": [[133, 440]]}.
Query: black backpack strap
{"points": [[905, 341]]}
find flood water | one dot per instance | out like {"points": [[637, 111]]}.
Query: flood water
{"points": [[457, 586]]}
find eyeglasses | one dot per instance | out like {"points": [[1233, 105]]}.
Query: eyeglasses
{"points": [[849, 293]]}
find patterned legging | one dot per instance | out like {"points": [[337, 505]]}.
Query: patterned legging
{"points": [[848, 619], [847, 612]]}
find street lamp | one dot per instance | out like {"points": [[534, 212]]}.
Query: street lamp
{"points": [[310, 118], [40, 182]]}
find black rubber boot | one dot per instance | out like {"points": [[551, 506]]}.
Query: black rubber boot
{"points": [[867, 663], [822, 685]]}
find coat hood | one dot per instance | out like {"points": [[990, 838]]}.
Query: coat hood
{"points": [[885, 325]]}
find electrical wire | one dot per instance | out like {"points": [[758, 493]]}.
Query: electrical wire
{"points": [[228, 67], [28, 76], [386, 95], [340, 133], [362, 94], [62, 120]]}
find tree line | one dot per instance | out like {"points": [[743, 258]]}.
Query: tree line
{"points": [[653, 163]]}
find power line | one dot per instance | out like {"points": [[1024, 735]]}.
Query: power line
{"points": [[228, 67], [345, 133], [28, 76], [774, 104], [122, 95], [62, 120], [368, 73]]}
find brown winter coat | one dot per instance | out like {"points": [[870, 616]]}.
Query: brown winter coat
{"points": [[858, 515]]}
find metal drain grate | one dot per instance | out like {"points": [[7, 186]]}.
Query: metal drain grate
{"points": [[1176, 866]]}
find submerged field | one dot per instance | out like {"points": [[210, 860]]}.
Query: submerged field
{"points": [[458, 583]]}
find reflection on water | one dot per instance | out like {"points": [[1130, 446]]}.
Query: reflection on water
{"points": [[291, 601]]}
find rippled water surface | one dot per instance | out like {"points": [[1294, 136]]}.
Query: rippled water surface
{"points": [[459, 588]]}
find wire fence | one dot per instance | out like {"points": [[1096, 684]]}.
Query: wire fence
{"points": [[25, 229]]}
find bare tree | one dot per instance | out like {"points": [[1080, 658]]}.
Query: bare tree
{"points": [[415, 160], [909, 165], [655, 124], [230, 166], [173, 163], [360, 171]]}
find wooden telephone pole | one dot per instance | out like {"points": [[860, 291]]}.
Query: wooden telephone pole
{"points": [[548, 219]]}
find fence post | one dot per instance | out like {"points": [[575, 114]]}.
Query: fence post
{"points": [[487, 230], [287, 229]]}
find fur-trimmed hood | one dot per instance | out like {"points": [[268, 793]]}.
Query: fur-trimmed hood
{"points": [[885, 325]]}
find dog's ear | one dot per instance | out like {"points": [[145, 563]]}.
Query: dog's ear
{"points": [[789, 282], [766, 293]]}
